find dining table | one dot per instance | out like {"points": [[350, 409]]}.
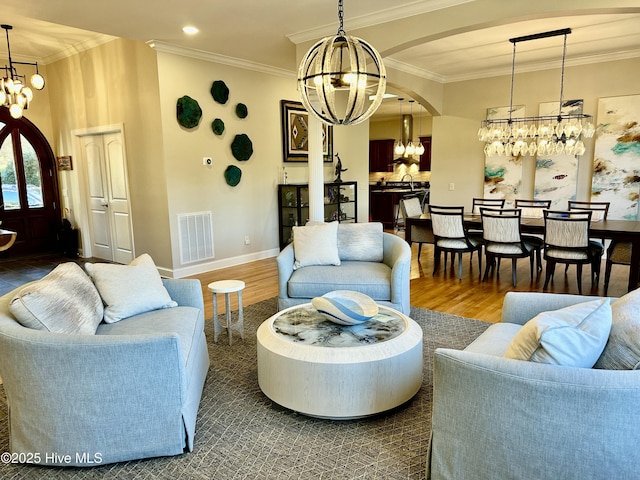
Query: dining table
{"points": [[610, 229]]}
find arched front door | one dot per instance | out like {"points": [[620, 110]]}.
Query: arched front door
{"points": [[29, 186]]}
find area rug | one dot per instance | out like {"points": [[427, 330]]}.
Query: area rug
{"points": [[241, 434]]}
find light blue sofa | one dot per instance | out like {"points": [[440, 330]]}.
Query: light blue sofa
{"points": [[130, 391], [497, 418], [387, 282]]}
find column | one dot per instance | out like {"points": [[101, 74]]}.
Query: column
{"points": [[316, 170]]}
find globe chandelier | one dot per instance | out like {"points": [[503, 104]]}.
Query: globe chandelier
{"points": [[14, 94], [544, 135], [342, 79]]}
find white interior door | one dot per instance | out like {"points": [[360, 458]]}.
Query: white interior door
{"points": [[108, 197]]}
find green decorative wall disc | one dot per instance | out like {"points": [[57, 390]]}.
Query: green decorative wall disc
{"points": [[241, 110], [188, 112], [241, 147], [217, 126], [232, 175], [220, 91]]}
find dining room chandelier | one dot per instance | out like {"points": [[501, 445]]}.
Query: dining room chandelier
{"points": [[342, 79], [14, 94], [544, 135]]}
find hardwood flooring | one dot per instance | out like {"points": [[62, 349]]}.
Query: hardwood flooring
{"points": [[443, 292]]}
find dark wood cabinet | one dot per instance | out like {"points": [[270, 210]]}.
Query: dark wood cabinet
{"points": [[340, 203], [380, 155], [425, 158]]}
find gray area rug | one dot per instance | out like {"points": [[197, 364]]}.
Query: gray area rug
{"points": [[241, 434]]}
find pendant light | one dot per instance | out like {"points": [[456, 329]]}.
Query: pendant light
{"points": [[342, 79], [420, 146], [398, 149]]}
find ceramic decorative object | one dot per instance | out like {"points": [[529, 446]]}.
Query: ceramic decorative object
{"points": [[220, 91], [241, 110], [346, 307], [188, 112], [232, 175], [241, 147], [217, 126]]}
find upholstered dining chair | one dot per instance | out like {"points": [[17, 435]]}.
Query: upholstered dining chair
{"points": [[618, 253], [450, 235], [566, 240], [599, 212], [411, 207], [476, 204], [533, 209], [503, 239]]}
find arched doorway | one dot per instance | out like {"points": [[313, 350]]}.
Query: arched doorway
{"points": [[29, 186]]}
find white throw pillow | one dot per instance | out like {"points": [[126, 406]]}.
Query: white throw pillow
{"points": [[574, 336], [128, 290], [361, 242], [622, 351], [64, 301], [316, 244]]}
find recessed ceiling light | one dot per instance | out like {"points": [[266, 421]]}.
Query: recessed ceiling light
{"points": [[189, 30]]}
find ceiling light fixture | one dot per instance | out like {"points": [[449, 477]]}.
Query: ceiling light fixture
{"points": [[398, 148], [190, 30], [546, 135], [338, 75], [14, 94], [420, 146], [410, 149]]}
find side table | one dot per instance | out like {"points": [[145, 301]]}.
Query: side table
{"points": [[227, 287]]}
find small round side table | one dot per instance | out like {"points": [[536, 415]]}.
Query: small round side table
{"points": [[227, 287]]}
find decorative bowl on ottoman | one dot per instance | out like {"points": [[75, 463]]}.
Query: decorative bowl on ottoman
{"points": [[346, 307]]}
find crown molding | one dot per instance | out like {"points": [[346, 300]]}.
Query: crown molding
{"points": [[584, 60], [217, 58], [376, 18], [419, 72], [95, 41]]}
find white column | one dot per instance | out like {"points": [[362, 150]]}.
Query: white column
{"points": [[316, 173]]}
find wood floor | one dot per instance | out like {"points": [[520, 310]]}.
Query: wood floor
{"points": [[442, 292]]}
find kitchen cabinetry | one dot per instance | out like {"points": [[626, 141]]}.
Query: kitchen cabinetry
{"points": [[380, 155], [340, 203]]}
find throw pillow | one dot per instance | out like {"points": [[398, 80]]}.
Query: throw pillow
{"points": [[128, 290], [573, 336], [64, 301], [622, 351], [316, 244], [360, 242]]}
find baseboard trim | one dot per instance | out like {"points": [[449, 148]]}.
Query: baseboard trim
{"points": [[216, 264]]}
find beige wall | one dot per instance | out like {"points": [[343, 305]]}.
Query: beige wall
{"points": [[463, 104], [250, 208], [115, 83]]}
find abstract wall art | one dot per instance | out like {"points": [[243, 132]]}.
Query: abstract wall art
{"points": [[503, 175], [616, 168], [557, 174]]}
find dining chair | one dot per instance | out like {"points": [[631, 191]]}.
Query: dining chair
{"points": [[566, 240], [533, 209], [503, 239], [450, 235], [476, 204], [599, 210], [412, 207], [618, 253]]}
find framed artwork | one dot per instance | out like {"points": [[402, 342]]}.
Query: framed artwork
{"points": [[557, 175], [503, 175], [64, 162], [616, 159], [295, 134]]}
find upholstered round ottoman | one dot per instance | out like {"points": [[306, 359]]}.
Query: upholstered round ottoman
{"points": [[321, 369]]}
